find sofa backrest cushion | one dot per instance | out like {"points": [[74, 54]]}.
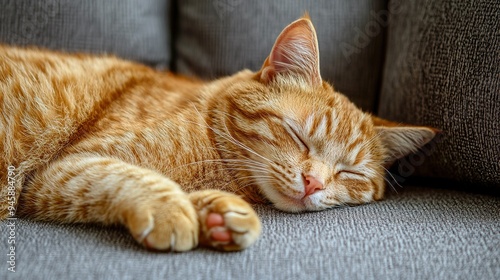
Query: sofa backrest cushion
{"points": [[132, 29], [442, 68], [220, 37]]}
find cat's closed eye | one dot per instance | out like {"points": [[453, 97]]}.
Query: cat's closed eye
{"points": [[346, 173], [297, 138]]}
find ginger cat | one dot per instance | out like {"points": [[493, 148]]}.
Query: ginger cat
{"points": [[177, 161]]}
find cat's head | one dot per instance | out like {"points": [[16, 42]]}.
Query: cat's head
{"points": [[304, 146]]}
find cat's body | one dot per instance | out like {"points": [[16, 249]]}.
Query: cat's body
{"points": [[98, 139]]}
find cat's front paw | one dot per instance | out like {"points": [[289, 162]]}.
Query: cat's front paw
{"points": [[227, 222], [167, 223]]}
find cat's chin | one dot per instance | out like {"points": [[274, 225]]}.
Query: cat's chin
{"points": [[290, 205], [294, 205]]}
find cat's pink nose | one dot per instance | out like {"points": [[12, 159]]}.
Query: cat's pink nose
{"points": [[312, 185]]}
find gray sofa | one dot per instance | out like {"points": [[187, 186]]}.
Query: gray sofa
{"points": [[421, 62]]}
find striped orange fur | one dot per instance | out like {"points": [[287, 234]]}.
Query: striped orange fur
{"points": [[177, 161]]}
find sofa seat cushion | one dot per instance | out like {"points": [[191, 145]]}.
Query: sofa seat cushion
{"points": [[419, 232]]}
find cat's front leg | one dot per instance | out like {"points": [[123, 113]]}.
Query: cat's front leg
{"points": [[91, 188], [227, 222]]}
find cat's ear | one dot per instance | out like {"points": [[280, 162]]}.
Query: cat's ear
{"points": [[400, 140], [294, 52]]}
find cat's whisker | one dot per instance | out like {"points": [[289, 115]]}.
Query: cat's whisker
{"points": [[235, 141], [258, 176], [394, 179], [220, 161], [247, 160], [263, 179], [195, 163], [390, 184], [243, 146], [249, 184], [229, 116], [247, 169], [246, 184], [370, 141], [232, 164], [344, 204], [227, 136]]}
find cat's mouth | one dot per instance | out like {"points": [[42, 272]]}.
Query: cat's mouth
{"points": [[289, 200], [289, 203]]}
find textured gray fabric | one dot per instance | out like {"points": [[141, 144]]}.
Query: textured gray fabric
{"points": [[417, 233], [443, 69], [220, 37], [132, 29]]}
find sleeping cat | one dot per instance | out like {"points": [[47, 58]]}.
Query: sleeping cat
{"points": [[177, 161]]}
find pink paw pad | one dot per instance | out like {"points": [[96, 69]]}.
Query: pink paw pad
{"points": [[219, 233]]}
